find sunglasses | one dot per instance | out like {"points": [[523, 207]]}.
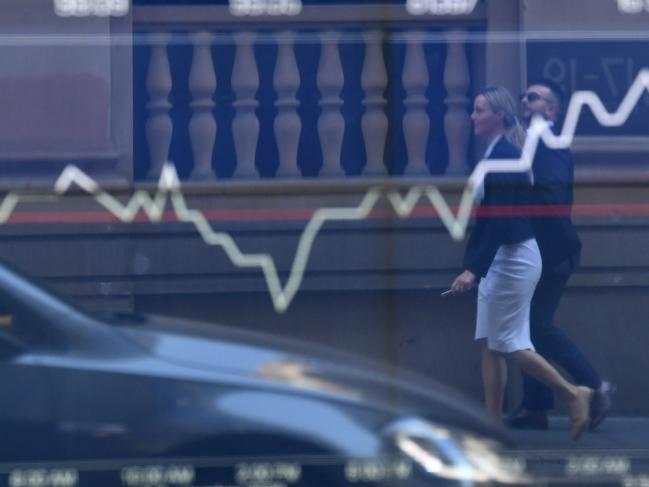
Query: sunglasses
{"points": [[531, 96]]}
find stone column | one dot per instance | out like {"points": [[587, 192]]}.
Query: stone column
{"points": [[374, 80], [331, 125], [288, 126], [159, 127], [245, 126], [416, 123], [457, 123], [202, 126]]}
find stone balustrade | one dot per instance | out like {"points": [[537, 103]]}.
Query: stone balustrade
{"points": [[405, 67]]}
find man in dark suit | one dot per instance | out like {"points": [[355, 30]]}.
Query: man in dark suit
{"points": [[560, 251]]}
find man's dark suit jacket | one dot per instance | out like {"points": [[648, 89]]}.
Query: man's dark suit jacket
{"points": [[552, 197], [502, 215]]}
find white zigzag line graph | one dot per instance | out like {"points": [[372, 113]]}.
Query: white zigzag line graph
{"points": [[282, 296], [169, 185]]}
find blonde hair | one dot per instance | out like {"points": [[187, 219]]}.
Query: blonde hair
{"points": [[501, 101]]}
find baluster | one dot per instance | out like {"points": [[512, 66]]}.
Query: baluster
{"points": [[245, 126], [457, 123], [202, 126], [416, 123], [331, 125], [159, 126], [374, 80], [287, 126]]}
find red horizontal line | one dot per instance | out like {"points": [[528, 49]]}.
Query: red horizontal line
{"points": [[608, 209], [303, 214]]}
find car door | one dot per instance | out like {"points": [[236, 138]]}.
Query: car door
{"points": [[27, 428]]}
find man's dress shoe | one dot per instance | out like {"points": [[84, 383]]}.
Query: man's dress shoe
{"points": [[601, 403]]}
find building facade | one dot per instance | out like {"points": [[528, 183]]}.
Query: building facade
{"points": [[259, 115]]}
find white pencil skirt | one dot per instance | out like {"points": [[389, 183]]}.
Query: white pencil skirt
{"points": [[504, 297]]}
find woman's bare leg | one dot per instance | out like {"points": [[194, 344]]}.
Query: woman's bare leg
{"points": [[494, 379], [577, 398]]}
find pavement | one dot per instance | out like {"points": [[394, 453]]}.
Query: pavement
{"points": [[615, 454]]}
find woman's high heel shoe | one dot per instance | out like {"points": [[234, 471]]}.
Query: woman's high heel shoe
{"points": [[579, 410]]}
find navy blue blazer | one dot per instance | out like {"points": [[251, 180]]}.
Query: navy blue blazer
{"points": [[552, 197], [507, 196]]}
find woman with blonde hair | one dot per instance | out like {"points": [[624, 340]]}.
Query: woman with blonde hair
{"points": [[502, 253]]}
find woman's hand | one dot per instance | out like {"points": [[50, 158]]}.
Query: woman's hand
{"points": [[463, 282]]}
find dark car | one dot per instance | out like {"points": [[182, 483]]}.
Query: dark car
{"points": [[143, 401]]}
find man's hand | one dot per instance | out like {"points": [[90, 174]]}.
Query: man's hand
{"points": [[463, 282]]}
